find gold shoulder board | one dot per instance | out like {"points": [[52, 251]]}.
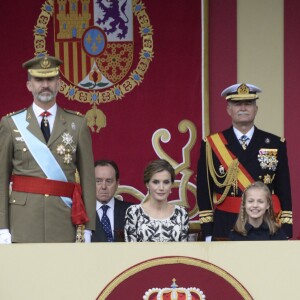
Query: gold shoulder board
{"points": [[14, 113], [282, 139], [77, 113]]}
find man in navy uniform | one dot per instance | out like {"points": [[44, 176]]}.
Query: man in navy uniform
{"points": [[42, 149], [234, 158], [110, 218]]}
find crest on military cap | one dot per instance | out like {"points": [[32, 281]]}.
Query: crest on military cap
{"points": [[241, 91], [43, 66]]}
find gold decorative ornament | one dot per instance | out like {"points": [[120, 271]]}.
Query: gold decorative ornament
{"points": [[184, 185], [106, 80], [45, 63], [80, 234], [96, 119], [243, 89]]}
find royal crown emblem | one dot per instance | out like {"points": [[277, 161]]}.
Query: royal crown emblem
{"points": [[174, 292]]}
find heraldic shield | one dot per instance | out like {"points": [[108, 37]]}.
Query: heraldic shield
{"points": [[94, 38]]}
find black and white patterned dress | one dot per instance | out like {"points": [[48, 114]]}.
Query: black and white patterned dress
{"points": [[140, 227]]}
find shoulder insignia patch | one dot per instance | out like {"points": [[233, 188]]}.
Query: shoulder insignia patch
{"points": [[14, 113], [282, 139]]}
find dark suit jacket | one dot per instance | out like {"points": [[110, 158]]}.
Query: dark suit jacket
{"points": [[119, 222], [222, 222]]}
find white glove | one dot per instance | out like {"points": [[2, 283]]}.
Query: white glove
{"points": [[5, 236], [87, 235], [208, 238]]}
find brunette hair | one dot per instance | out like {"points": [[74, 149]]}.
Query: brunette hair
{"points": [[157, 166]]}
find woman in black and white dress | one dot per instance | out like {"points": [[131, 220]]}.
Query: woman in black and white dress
{"points": [[157, 220]]}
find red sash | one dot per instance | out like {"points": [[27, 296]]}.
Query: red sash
{"points": [[218, 144], [36, 185]]}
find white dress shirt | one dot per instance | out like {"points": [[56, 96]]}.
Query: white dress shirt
{"points": [[51, 118], [239, 134]]}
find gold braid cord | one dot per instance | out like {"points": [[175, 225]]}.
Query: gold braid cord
{"points": [[229, 178], [80, 234]]}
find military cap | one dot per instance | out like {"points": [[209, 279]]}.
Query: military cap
{"points": [[241, 91], [44, 66]]}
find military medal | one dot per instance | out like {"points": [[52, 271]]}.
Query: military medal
{"points": [[221, 170], [268, 158], [61, 149], [67, 138], [66, 148], [268, 179], [67, 158]]}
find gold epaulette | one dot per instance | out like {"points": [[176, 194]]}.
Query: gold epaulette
{"points": [[14, 113], [286, 217], [282, 139], [77, 113]]}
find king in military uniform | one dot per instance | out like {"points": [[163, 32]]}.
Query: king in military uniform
{"points": [[43, 149], [234, 158]]}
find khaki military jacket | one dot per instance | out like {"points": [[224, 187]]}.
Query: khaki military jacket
{"points": [[45, 218]]}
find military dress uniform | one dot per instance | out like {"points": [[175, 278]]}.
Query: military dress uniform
{"points": [[38, 217], [264, 159], [42, 216]]}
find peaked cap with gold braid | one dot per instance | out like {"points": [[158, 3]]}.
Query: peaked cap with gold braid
{"points": [[240, 92], [43, 67]]}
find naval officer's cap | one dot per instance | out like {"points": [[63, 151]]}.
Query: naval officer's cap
{"points": [[241, 92], [43, 67]]}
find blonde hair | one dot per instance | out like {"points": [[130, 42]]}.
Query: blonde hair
{"points": [[269, 216]]}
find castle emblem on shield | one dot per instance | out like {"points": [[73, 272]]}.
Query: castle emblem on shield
{"points": [[95, 39]]}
